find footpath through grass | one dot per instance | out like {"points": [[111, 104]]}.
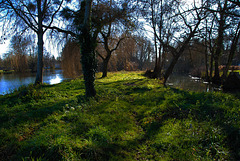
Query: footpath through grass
{"points": [[132, 118]]}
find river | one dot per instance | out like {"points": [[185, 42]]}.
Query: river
{"points": [[189, 83], [9, 82]]}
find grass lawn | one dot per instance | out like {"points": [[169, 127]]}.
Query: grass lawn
{"points": [[131, 118]]}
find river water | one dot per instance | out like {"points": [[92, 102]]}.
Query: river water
{"points": [[189, 83], [9, 82]]}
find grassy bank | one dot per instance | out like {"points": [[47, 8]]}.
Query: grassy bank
{"points": [[6, 72], [132, 118]]}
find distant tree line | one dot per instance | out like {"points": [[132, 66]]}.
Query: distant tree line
{"points": [[22, 56]]}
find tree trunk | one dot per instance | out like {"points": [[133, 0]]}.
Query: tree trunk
{"points": [[170, 68], [88, 66], [105, 67], [221, 28], [157, 68], [39, 76], [88, 58], [211, 67], [206, 55], [206, 63], [232, 52], [216, 77], [179, 53]]}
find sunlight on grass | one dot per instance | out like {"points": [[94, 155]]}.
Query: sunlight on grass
{"points": [[131, 118]]}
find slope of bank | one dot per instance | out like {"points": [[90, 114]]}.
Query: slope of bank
{"points": [[132, 118]]}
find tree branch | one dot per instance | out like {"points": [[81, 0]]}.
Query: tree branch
{"points": [[100, 55], [117, 44], [27, 20], [54, 15], [61, 30], [29, 12]]}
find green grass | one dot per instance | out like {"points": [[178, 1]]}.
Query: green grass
{"points": [[131, 118]]}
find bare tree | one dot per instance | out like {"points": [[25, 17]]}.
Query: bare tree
{"points": [[108, 49], [233, 48], [118, 17], [226, 18], [144, 52], [37, 15], [173, 28]]}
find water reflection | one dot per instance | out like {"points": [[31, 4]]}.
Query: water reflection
{"points": [[190, 83], [9, 82], [55, 80]]}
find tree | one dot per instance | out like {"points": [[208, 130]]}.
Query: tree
{"points": [[226, 16], [71, 57], [85, 27], [18, 53], [37, 15], [219, 48], [233, 48], [108, 50], [110, 34], [49, 60], [169, 34], [82, 29], [134, 53], [88, 45], [126, 55], [144, 52]]}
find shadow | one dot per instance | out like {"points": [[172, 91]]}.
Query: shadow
{"points": [[30, 114], [206, 111]]}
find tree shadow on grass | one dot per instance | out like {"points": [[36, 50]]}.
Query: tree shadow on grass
{"points": [[31, 114], [200, 107]]}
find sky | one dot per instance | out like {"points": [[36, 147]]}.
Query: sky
{"points": [[3, 48]]}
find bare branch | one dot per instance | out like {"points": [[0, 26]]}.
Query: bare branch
{"points": [[29, 13], [118, 44], [100, 55], [24, 18], [54, 15], [61, 30]]}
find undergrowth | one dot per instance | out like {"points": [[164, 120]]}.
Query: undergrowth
{"points": [[131, 118]]}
